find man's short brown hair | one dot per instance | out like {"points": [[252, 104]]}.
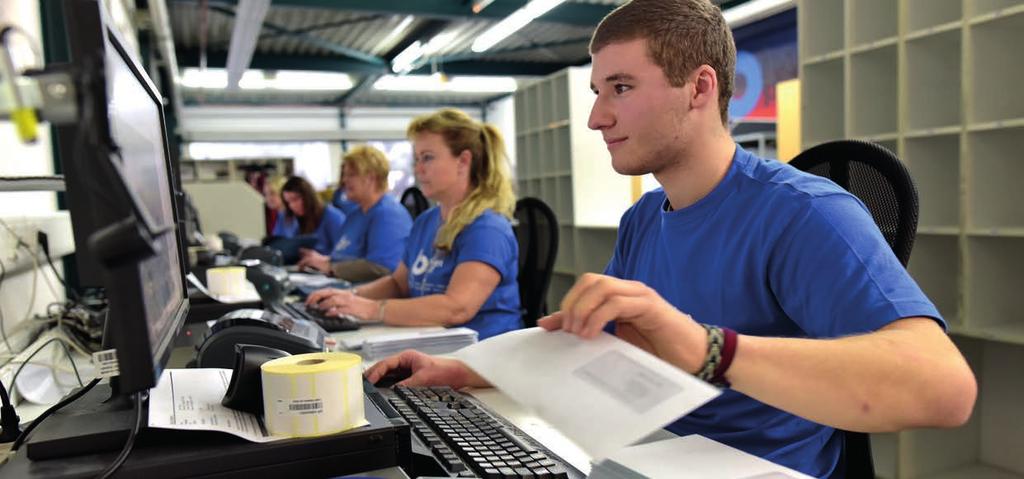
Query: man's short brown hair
{"points": [[681, 36]]}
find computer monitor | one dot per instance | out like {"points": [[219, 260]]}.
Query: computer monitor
{"points": [[117, 166]]}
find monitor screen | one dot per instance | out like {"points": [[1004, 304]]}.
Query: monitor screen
{"points": [[117, 168], [137, 129]]}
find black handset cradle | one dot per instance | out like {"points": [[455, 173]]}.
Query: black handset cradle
{"points": [[259, 327]]}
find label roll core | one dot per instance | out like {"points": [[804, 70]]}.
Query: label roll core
{"points": [[313, 394]]}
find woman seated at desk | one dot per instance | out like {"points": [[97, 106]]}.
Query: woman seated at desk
{"points": [[374, 235], [461, 259], [305, 214]]}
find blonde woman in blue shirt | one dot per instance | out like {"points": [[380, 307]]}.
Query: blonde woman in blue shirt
{"points": [[461, 258]]}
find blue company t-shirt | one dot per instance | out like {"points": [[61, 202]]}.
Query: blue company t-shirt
{"points": [[378, 235], [488, 239], [328, 232], [771, 251]]}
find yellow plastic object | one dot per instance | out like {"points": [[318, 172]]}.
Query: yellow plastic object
{"points": [[26, 123]]}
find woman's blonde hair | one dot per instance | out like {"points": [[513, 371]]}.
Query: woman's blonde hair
{"points": [[274, 184], [490, 187], [367, 160]]}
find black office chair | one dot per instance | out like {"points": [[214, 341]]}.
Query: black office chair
{"points": [[414, 201], [537, 233], [876, 176]]}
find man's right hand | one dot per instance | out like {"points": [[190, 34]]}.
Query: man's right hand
{"points": [[426, 370]]}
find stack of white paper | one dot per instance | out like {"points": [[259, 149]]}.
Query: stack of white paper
{"points": [[688, 457], [430, 342]]}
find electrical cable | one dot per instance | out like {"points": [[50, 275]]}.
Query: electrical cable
{"points": [[52, 409], [114, 466], [8, 417], [40, 348], [3, 328]]}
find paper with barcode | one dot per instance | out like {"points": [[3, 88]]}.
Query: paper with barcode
{"points": [[602, 393], [189, 399]]}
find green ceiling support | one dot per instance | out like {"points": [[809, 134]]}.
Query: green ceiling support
{"points": [[583, 14], [263, 61], [313, 40]]}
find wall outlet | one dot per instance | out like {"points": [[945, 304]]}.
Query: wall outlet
{"points": [[56, 225]]}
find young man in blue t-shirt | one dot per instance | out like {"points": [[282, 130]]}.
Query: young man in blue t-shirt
{"points": [[742, 270]]}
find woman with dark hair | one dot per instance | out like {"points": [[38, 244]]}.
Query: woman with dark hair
{"points": [[305, 214]]}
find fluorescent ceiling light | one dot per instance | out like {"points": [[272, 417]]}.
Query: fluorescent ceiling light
{"points": [[439, 41], [245, 33], [755, 10], [403, 61], [216, 78], [398, 30], [438, 83], [512, 23]]}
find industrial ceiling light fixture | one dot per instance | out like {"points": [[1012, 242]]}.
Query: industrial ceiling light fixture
{"points": [[246, 31], [512, 23], [755, 10]]}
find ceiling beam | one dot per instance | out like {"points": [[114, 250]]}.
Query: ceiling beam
{"points": [[582, 14], [311, 39], [477, 67], [189, 57], [320, 26]]}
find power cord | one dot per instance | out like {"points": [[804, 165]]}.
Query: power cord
{"points": [[114, 466], [52, 409], [8, 417], [44, 242]]}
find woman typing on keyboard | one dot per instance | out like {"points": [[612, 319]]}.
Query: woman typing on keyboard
{"points": [[461, 259]]}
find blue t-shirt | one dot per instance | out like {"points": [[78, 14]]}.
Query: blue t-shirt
{"points": [[327, 232], [378, 235], [488, 239], [771, 251], [340, 201]]}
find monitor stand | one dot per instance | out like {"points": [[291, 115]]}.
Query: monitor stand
{"points": [[99, 421]]}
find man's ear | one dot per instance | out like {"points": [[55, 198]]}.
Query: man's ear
{"points": [[705, 87]]}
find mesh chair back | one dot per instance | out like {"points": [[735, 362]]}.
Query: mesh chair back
{"points": [[875, 176], [537, 233], [414, 201], [878, 178]]}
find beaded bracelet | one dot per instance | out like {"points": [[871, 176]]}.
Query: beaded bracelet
{"points": [[721, 350]]}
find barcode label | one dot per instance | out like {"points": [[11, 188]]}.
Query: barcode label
{"points": [[300, 406], [106, 363]]}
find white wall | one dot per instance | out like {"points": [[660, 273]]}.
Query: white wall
{"points": [[18, 159]]}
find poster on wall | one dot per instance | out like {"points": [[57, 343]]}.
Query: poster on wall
{"points": [[766, 54]]}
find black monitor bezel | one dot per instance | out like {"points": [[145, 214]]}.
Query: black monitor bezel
{"points": [[91, 37]]}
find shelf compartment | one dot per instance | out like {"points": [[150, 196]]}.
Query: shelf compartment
{"points": [[560, 100], [997, 69], [822, 102], [562, 149], [564, 260], [547, 153], [533, 159], [884, 451], [935, 265], [933, 81], [934, 163], [994, 188], [520, 113], [532, 106], [594, 248], [821, 25], [993, 296], [983, 7], [874, 88], [925, 14], [1002, 386], [549, 193], [564, 194], [547, 108], [521, 153], [872, 20], [560, 284]]}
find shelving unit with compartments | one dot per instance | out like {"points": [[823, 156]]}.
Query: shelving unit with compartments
{"points": [[938, 82]]}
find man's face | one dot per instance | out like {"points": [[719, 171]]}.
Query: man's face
{"points": [[639, 114]]}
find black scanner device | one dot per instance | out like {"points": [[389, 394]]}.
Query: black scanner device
{"points": [[261, 328]]}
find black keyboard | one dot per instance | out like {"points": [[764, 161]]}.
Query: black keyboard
{"points": [[329, 323], [470, 441]]}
